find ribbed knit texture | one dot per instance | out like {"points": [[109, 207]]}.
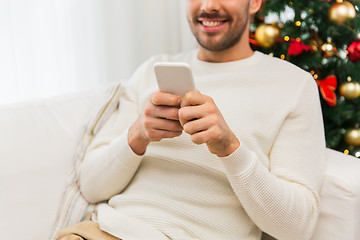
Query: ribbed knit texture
{"points": [[270, 183]]}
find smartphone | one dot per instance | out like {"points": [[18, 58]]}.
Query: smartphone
{"points": [[174, 77]]}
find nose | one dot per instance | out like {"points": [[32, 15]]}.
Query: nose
{"points": [[210, 6]]}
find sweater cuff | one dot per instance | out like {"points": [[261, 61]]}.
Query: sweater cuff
{"points": [[121, 150], [239, 161]]}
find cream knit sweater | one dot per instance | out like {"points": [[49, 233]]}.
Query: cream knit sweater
{"points": [[179, 190]]}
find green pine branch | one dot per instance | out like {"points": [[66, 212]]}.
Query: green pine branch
{"points": [[317, 28]]}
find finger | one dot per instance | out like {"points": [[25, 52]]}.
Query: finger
{"points": [[165, 99], [157, 135], [165, 112], [168, 125], [211, 134], [199, 138], [190, 113], [197, 125], [162, 124], [193, 99]]}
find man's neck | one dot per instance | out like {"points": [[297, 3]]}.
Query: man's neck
{"points": [[237, 52]]}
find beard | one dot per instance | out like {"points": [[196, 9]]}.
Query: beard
{"points": [[228, 39]]}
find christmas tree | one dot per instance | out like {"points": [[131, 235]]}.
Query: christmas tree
{"points": [[323, 38]]}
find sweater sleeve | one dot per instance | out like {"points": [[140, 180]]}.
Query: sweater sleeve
{"points": [[108, 170], [283, 200], [109, 163]]}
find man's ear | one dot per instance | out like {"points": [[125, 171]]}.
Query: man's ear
{"points": [[255, 5]]}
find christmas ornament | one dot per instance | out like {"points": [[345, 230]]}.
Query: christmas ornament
{"points": [[341, 11], [267, 35], [352, 136], [350, 90], [354, 51], [356, 152], [328, 49], [327, 88], [316, 44], [296, 47]]}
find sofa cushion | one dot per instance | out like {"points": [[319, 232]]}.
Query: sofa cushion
{"points": [[340, 199], [38, 140]]}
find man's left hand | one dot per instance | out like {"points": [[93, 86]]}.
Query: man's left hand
{"points": [[201, 118]]}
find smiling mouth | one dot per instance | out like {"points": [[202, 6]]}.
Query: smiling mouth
{"points": [[209, 23]]}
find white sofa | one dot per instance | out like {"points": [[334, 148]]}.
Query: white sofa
{"points": [[37, 143]]}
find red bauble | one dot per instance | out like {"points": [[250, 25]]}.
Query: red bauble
{"points": [[354, 51], [297, 47]]}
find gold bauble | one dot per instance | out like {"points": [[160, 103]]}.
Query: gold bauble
{"points": [[350, 90], [316, 44], [341, 11], [267, 35], [328, 49], [352, 136]]}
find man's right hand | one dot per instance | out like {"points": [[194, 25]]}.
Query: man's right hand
{"points": [[159, 120]]}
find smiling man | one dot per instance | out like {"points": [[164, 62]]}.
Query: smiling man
{"points": [[241, 156], [221, 28]]}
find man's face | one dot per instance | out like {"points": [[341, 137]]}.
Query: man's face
{"points": [[218, 24]]}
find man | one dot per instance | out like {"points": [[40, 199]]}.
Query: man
{"points": [[242, 155]]}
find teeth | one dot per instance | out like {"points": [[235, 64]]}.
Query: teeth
{"points": [[211, 23]]}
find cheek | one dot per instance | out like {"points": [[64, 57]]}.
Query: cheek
{"points": [[240, 14], [238, 8], [192, 7]]}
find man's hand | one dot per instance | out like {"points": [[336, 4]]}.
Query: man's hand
{"points": [[201, 118], [160, 119]]}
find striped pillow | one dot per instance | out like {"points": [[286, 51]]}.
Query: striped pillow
{"points": [[74, 208]]}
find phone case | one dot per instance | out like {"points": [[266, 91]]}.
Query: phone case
{"points": [[174, 77]]}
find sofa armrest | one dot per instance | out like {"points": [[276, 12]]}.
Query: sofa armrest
{"points": [[340, 206], [38, 140]]}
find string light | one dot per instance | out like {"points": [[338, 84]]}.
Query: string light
{"points": [[298, 23], [316, 76], [282, 56], [287, 38], [346, 152]]}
